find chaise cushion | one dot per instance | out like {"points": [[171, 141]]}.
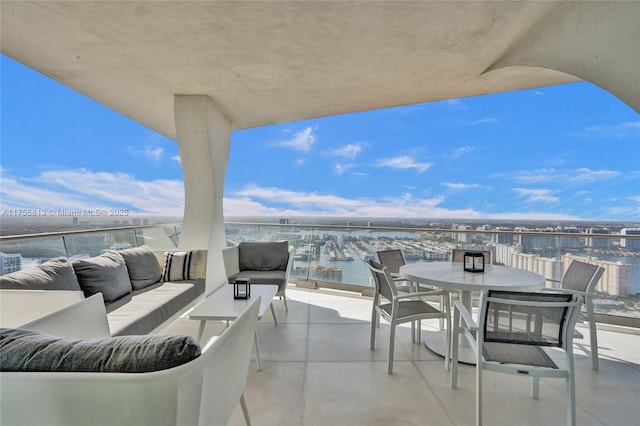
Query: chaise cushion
{"points": [[54, 274], [106, 274], [263, 256], [148, 309], [142, 265], [26, 350]]}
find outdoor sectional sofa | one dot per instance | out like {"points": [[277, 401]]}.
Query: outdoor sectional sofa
{"points": [[142, 290], [59, 376]]}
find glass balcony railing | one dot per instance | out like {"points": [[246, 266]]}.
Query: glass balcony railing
{"points": [[334, 256]]}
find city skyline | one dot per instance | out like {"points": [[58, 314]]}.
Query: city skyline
{"points": [[556, 153]]}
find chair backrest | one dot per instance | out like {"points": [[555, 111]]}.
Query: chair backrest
{"points": [[581, 276], [391, 259], [382, 280], [457, 255], [543, 319]]}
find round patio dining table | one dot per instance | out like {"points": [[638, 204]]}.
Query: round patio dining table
{"points": [[452, 276]]}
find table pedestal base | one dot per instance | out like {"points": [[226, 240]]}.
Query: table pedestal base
{"points": [[436, 342]]}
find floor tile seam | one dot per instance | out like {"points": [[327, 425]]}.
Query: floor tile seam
{"points": [[303, 409], [433, 392]]}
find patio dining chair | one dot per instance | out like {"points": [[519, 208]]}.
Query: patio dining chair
{"points": [[392, 259], [581, 278], [509, 337], [402, 308]]}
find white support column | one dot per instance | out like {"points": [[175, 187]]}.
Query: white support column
{"points": [[204, 135]]}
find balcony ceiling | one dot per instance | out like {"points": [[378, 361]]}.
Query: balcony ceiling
{"points": [[273, 62]]}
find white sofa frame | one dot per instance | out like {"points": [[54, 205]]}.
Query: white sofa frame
{"points": [[203, 391]]}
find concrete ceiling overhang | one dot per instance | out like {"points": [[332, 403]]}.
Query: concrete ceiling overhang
{"points": [[273, 62]]}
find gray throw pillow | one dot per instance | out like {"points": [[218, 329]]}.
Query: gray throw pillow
{"points": [[142, 265], [263, 256], [54, 274], [106, 274], [27, 350]]}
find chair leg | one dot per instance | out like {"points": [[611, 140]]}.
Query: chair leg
{"points": [[571, 402], [479, 391], [593, 335], [284, 299], [392, 339], [273, 313], [453, 341], [374, 324], [571, 392], [245, 410], [447, 355]]}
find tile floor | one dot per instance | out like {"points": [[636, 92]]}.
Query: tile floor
{"points": [[318, 370]]}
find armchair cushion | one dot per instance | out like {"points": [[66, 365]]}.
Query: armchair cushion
{"points": [[142, 265], [54, 274], [106, 274], [263, 256], [26, 350]]}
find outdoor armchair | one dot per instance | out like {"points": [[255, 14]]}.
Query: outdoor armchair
{"points": [[509, 336]]}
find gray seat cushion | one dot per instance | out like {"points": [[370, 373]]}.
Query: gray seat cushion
{"points": [[149, 309], [54, 274], [262, 277], [142, 265], [263, 256], [29, 351], [106, 274]]}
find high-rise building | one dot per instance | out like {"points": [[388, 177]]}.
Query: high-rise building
{"points": [[598, 243], [10, 263], [627, 242]]}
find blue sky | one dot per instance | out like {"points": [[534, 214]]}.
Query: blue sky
{"points": [[565, 152]]}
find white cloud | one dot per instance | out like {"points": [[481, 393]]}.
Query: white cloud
{"points": [[404, 162], [579, 176], [460, 186], [620, 130], [350, 151], [149, 152], [343, 168], [85, 189], [537, 195], [585, 175], [301, 141], [459, 152], [280, 202], [454, 104], [488, 120]]}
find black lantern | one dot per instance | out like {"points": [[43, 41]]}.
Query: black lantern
{"points": [[242, 288], [473, 261]]}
